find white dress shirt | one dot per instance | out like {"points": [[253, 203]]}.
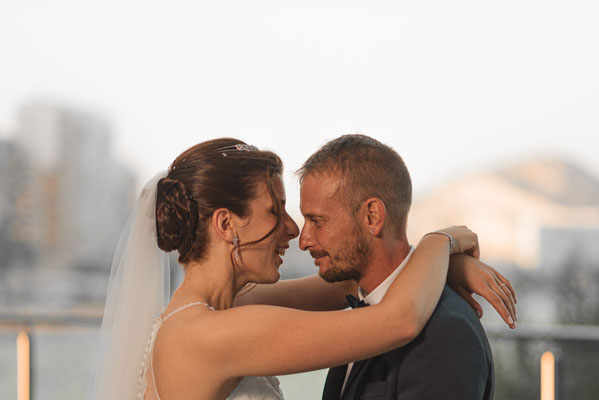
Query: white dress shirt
{"points": [[377, 295]]}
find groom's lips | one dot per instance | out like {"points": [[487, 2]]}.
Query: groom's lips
{"points": [[318, 256]]}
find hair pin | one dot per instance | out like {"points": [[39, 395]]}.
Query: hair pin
{"points": [[237, 147]]}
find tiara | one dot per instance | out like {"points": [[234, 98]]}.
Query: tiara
{"points": [[237, 147]]}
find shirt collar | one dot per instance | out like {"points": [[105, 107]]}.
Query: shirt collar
{"points": [[378, 293]]}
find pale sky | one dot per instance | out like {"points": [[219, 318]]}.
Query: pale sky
{"points": [[453, 86]]}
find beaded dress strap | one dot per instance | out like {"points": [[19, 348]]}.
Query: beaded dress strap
{"points": [[150, 348], [197, 303]]}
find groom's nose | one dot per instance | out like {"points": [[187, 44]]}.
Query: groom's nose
{"points": [[305, 240]]}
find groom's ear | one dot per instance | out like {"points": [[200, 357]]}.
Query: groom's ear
{"points": [[222, 224], [373, 215]]}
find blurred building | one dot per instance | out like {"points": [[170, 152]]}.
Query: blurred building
{"points": [[530, 215], [78, 194], [15, 245], [65, 200]]}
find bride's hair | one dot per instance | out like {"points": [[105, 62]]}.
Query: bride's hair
{"points": [[220, 173]]}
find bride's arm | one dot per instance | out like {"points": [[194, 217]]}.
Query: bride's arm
{"points": [[467, 275], [266, 340], [311, 293]]}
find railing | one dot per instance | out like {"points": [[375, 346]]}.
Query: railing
{"points": [[548, 388], [23, 366], [556, 350], [31, 324], [545, 331], [25, 325]]}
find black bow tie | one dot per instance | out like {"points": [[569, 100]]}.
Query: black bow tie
{"points": [[355, 303]]}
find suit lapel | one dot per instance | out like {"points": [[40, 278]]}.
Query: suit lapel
{"points": [[334, 383], [353, 374]]}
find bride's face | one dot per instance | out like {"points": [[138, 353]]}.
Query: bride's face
{"points": [[260, 262]]}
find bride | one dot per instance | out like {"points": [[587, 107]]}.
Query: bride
{"points": [[222, 207]]}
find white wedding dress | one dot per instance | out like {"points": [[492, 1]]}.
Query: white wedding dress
{"points": [[257, 388], [249, 388]]}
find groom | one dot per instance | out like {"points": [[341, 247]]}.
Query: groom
{"points": [[451, 358]]}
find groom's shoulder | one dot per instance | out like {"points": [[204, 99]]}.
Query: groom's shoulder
{"points": [[452, 351], [453, 318], [452, 333], [452, 306]]}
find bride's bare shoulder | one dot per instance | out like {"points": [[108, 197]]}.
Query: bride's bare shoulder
{"points": [[190, 337], [205, 342], [187, 354], [202, 328]]}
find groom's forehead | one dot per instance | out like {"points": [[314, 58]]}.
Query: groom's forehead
{"points": [[319, 186], [318, 198]]}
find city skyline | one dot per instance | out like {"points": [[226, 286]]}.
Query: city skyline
{"points": [[421, 191], [63, 145]]}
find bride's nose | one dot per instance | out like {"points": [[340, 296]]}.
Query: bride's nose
{"points": [[291, 228]]}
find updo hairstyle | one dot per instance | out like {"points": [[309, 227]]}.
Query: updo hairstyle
{"points": [[204, 178]]}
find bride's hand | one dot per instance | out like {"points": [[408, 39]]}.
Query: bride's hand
{"points": [[464, 240], [468, 275]]}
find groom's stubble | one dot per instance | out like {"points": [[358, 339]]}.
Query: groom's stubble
{"points": [[349, 260]]}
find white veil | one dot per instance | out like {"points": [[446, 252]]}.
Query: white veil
{"points": [[138, 291]]}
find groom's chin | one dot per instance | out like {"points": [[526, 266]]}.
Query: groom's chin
{"points": [[333, 275]]}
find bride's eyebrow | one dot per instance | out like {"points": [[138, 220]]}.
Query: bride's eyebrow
{"points": [[282, 201]]}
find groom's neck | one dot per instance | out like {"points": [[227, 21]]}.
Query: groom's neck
{"points": [[387, 255]]}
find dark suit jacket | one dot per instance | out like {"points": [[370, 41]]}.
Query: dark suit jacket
{"points": [[450, 359]]}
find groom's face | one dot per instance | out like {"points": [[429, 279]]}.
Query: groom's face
{"points": [[334, 238]]}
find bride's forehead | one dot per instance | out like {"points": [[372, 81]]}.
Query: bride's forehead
{"points": [[263, 194], [278, 185]]}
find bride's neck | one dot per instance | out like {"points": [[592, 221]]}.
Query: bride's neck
{"points": [[211, 281]]}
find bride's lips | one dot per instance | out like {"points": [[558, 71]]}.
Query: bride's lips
{"points": [[280, 252]]}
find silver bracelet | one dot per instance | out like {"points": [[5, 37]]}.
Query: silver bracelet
{"points": [[443, 233]]}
